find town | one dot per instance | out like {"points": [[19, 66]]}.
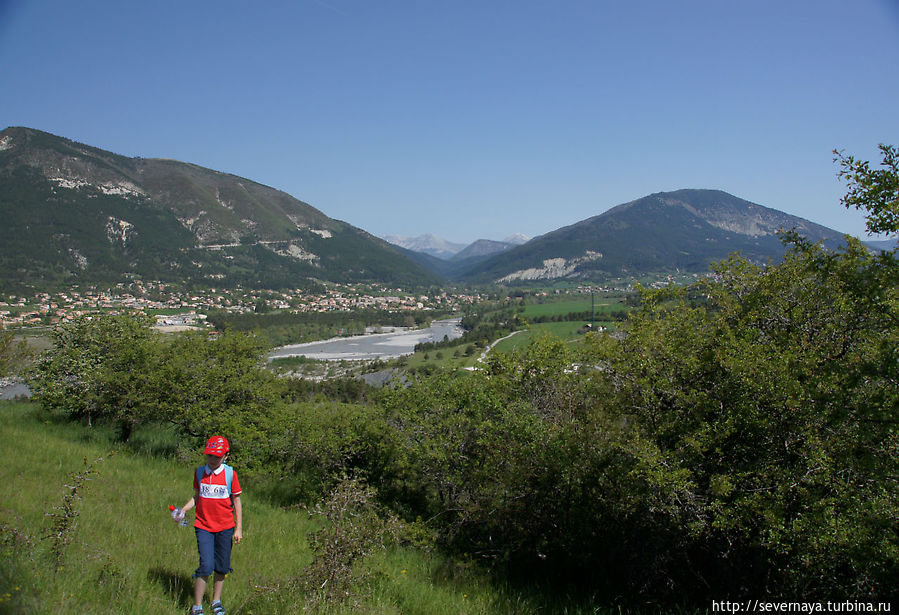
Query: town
{"points": [[173, 307]]}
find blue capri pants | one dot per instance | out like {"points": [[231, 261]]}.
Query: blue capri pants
{"points": [[215, 551]]}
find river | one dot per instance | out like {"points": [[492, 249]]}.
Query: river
{"points": [[13, 388], [372, 346]]}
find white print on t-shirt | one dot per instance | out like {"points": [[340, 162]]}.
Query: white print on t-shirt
{"points": [[214, 492]]}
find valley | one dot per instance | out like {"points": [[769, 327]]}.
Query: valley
{"points": [[503, 308], [601, 403]]}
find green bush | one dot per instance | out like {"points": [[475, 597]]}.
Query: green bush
{"points": [[115, 368], [312, 445]]}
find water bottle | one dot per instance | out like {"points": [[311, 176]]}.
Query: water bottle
{"points": [[178, 516]]}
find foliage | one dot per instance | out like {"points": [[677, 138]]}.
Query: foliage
{"points": [[354, 529], [771, 404], [64, 519], [12, 354], [875, 191], [312, 445], [739, 439], [496, 461], [94, 367], [115, 367], [216, 385], [340, 389]]}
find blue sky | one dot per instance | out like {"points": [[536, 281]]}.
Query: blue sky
{"points": [[471, 119]]}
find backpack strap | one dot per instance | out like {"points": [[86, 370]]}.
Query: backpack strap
{"points": [[229, 476]]}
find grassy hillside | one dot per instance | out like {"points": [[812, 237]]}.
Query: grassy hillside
{"points": [[126, 555]]}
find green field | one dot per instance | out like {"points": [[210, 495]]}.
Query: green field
{"points": [[563, 330], [602, 306]]}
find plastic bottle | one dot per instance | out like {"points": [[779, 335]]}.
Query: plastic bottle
{"points": [[178, 515]]}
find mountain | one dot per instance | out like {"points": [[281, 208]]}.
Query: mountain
{"points": [[75, 213], [668, 232], [438, 266], [463, 260], [883, 244], [517, 239], [433, 245], [426, 244], [481, 249]]}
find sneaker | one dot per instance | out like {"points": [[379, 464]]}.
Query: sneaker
{"points": [[196, 610], [217, 608]]}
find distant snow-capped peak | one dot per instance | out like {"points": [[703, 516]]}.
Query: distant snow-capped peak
{"points": [[517, 239]]}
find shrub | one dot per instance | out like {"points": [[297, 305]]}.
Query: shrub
{"points": [[354, 528]]}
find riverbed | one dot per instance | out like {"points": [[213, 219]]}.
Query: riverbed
{"points": [[372, 346]]}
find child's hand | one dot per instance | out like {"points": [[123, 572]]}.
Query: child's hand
{"points": [[238, 536]]}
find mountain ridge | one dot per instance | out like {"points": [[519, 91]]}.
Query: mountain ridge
{"points": [[662, 233], [76, 213], [427, 244], [101, 216], [447, 250]]}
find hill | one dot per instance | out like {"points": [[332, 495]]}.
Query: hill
{"points": [[482, 248], [75, 213], [110, 563], [668, 232]]}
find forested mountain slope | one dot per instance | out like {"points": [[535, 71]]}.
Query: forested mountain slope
{"points": [[667, 232], [77, 213]]}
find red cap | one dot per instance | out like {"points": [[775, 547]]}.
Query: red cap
{"points": [[217, 445]]}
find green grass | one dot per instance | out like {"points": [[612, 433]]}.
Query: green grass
{"points": [[568, 331], [126, 555], [567, 306], [450, 358], [126, 550]]}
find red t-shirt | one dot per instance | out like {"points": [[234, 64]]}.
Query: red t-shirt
{"points": [[215, 511]]}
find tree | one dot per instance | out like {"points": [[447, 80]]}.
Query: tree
{"points": [[117, 368], [764, 409], [12, 354], [874, 190], [95, 367], [764, 404], [208, 386]]}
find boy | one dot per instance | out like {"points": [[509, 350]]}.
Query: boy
{"points": [[217, 498]]}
